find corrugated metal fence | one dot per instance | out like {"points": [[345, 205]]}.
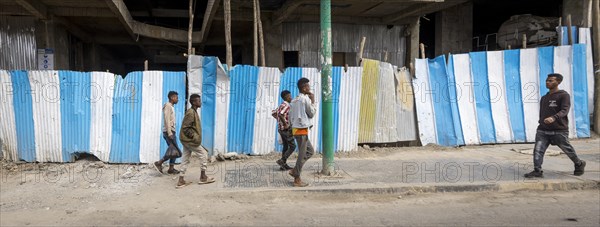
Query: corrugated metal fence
{"points": [[48, 116], [17, 43], [236, 108], [493, 97]]}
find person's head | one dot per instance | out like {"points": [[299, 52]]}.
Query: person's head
{"points": [[195, 100], [553, 80], [303, 85], [173, 97], [286, 95]]}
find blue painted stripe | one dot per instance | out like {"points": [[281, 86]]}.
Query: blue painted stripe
{"points": [[75, 111], [173, 81], [482, 97], [336, 78], [580, 91], [127, 119], [242, 109], [513, 83], [288, 82], [209, 105], [546, 62], [438, 82], [23, 108], [454, 102], [565, 37]]}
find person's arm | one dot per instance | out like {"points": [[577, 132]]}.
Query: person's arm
{"points": [[188, 124], [565, 105], [310, 108], [168, 116], [281, 115]]}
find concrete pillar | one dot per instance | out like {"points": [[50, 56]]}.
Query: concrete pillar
{"points": [[580, 10], [52, 35], [273, 36], [454, 29]]}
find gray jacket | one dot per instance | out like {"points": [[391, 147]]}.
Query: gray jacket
{"points": [[302, 112]]}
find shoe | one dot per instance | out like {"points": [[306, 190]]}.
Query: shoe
{"points": [[206, 181], [579, 169], [173, 171], [532, 174], [158, 167], [300, 184], [285, 167], [182, 184]]}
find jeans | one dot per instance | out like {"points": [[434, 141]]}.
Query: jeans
{"points": [[169, 142], [543, 139], [288, 144]]}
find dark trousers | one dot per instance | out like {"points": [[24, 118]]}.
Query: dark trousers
{"points": [[543, 139], [289, 146], [305, 151], [169, 142]]}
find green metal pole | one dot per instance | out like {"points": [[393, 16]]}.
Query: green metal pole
{"points": [[326, 91]]}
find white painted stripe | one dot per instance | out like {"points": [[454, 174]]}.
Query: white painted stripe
{"points": [[315, 85], [101, 114], [267, 96], [425, 114], [530, 91], [194, 76], [222, 109], [385, 119], [497, 85], [45, 86], [465, 98], [8, 128], [563, 64], [151, 128], [349, 108], [585, 37]]}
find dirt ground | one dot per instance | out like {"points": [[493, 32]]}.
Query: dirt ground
{"points": [[92, 193]]}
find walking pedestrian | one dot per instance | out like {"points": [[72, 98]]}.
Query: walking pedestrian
{"points": [[554, 127]]}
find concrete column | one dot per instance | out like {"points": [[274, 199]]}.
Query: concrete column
{"points": [[454, 29], [580, 10], [51, 35], [273, 36]]}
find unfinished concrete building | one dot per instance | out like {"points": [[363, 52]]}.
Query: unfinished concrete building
{"points": [[120, 35]]}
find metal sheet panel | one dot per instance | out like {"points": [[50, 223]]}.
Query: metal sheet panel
{"points": [[580, 106], [305, 38], [563, 63], [127, 119], [101, 118], [368, 100], [385, 120], [75, 109], [497, 98], [222, 109], [529, 91], [46, 115], [349, 108], [23, 104], [425, 113], [267, 96], [17, 43], [8, 126], [586, 38], [173, 81], [405, 104], [242, 109], [151, 119]]}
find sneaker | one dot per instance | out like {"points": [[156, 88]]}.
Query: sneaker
{"points": [[534, 173], [173, 171], [579, 169], [283, 165], [158, 167]]}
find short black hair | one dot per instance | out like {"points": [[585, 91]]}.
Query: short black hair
{"points": [[557, 76], [193, 97], [302, 81], [284, 93], [172, 93]]}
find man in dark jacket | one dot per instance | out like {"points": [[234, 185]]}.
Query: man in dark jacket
{"points": [[554, 127], [191, 138]]}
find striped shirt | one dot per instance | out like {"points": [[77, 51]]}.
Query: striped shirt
{"points": [[282, 110]]}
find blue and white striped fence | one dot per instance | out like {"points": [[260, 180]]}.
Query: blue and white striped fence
{"points": [[48, 116], [493, 97]]}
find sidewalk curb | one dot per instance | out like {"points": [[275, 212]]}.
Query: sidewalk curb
{"points": [[403, 189]]}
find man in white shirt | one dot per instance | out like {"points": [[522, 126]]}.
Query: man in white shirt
{"points": [[303, 110]]}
